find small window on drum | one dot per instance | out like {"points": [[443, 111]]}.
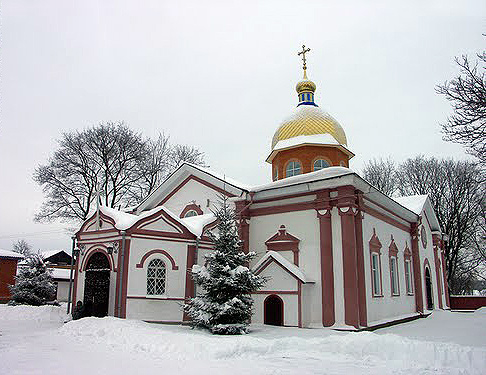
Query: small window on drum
{"points": [[190, 213], [320, 164], [293, 169]]}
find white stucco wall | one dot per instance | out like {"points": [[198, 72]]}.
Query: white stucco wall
{"points": [[428, 253], [290, 302], [158, 308], [387, 307], [62, 290], [193, 191], [305, 226]]}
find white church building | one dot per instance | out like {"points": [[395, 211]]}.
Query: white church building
{"points": [[337, 252]]}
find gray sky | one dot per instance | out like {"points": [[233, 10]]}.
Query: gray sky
{"points": [[220, 75]]}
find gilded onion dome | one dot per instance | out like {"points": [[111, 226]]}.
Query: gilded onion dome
{"points": [[308, 118]]}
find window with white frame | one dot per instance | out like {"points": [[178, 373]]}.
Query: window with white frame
{"points": [[156, 273], [293, 169], [320, 164], [408, 276], [394, 276], [375, 270]]}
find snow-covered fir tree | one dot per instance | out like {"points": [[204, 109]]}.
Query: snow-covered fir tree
{"points": [[33, 284], [224, 303]]}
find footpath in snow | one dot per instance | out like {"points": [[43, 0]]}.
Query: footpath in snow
{"points": [[445, 343]]}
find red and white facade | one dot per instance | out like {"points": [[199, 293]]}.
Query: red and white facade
{"points": [[324, 239]]}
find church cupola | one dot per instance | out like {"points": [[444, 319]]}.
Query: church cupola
{"points": [[310, 139]]}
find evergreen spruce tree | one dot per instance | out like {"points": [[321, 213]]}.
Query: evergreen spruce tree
{"points": [[224, 304], [34, 284]]}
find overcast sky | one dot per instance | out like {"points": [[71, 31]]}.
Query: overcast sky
{"points": [[220, 75]]}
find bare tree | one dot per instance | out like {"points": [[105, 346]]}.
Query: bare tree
{"points": [[22, 247], [467, 94], [185, 153], [381, 174], [457, 190], [111, 157]]}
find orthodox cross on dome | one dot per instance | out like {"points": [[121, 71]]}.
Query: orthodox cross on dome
{"points": [[303, 52]]}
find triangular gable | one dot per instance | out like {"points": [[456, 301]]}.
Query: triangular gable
{"points": [[429, 213], [181, 176], [106, 223], [274, 257], [161, 221]]}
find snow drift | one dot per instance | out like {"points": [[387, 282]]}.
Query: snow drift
{"points": [[362, 348]]}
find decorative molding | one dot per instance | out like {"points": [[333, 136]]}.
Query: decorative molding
{"points": [[157, 251], [191, 207], [283, 241], [392, 249], [99, 248], [375, 244]]}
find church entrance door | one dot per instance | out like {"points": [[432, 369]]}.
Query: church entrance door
{"points": [[428, 289], [273, 310], [97, 286]]}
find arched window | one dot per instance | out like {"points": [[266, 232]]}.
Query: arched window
{"points": [[293, 169], [320, 164], [190, 213], [156, 277]]}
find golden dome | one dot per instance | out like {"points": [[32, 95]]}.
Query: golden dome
{"points": [[305, 85], [309, 120]]}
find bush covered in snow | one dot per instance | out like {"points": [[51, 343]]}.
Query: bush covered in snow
{"points": [[224, 305], [34, 284]]}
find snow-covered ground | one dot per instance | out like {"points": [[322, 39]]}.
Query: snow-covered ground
{"points": [[34, 340]]}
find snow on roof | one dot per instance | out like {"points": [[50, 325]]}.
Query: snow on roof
{"points": [[124, 220], [220, 176], [49, 253], [292, 268], [414, 203], [321, 139], [10, 254], [322, 174], [197, 223]]}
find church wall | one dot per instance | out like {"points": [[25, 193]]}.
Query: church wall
{"points": [[428, 253], [154, 310], [112, 296], [193, 191], [279, 279], [290, 302], [305, 226], [89, 248], [387, 307], [149, 307]]}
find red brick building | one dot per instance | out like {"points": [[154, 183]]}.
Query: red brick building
{"points": [[8, 270]]}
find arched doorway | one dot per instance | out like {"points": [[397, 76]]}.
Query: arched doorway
{"points": [[273, 310], [428, 289], [97, 285]]}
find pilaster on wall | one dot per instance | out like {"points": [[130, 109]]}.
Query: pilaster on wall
{"points": [[444, 273], [417, 274], [436, 250], [189, 290], [363, 314], [323, 209], [243, 218], [348, 209]]}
